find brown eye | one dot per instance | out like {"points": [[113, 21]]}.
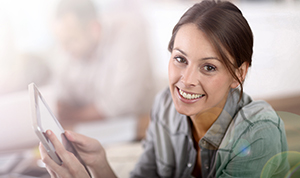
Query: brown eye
{"points": [[181, 60], [209, 68]]}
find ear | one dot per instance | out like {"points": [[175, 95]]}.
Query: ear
{"points": [[241, 73]]}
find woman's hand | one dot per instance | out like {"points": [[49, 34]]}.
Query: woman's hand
{"points": [[92, 153], [90, 150], [70, 167]]}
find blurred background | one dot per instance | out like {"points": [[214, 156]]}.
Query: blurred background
{"points": [[131, 38]]}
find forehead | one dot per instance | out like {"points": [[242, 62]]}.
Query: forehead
{"points": [[193, 41]]}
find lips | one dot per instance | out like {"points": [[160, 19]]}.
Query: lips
{"points": [[188, 97]]}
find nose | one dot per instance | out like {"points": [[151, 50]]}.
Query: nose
{"points": [[190, 77]]}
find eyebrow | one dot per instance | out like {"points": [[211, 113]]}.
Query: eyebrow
{"points": [[180, 51], [205, 58]]}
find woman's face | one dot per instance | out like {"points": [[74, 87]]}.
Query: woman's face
{"points": [[198, 79]]}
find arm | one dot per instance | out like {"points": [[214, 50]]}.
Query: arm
{"points": [[90, 151]]}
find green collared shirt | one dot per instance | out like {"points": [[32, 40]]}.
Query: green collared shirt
{"points": [[242, 140]]}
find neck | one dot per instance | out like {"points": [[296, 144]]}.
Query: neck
{"points": [[203, 121]]}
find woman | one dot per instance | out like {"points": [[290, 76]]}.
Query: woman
{"points": [[203, 125]]}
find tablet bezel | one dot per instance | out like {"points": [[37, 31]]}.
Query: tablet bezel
{"points": [[40, 132], [36, 123]]}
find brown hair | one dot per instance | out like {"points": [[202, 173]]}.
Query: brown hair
{"points": [[226, 28]]}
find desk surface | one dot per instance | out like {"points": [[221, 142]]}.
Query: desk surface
{"points": [[122, 158]]}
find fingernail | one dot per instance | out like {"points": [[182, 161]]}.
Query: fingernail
{"points": [[69, 135], [48, 132]]}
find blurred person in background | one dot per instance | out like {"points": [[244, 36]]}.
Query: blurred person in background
{"points": [[107, 72]]}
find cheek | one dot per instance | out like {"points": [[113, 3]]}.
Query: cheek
{"points": [[173, 72], [218, 85]]}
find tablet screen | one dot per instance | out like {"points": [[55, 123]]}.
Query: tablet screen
{"points": [[44, 119]]}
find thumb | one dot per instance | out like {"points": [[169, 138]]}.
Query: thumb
{"points": [[73, 137], [76, 138], [82, 142]]}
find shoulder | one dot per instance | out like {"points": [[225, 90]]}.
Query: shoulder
{"points": [[163, 103], [258, 112], [164, 114], [163, 98], [257, 121], [255, 135], [249, 114], [264, 123]]}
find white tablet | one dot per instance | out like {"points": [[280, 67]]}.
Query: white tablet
{"points": [[43, 120]]}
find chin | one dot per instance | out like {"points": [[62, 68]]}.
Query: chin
{"points": [[185, 110]]}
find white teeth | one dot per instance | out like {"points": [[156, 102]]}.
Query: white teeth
{"points": [[189, 96]]}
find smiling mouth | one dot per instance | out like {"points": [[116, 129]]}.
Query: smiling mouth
{"points": [[189, 96]]}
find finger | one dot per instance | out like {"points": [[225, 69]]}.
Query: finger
{"points": [[52, 174], [70, 165], [43, 153], [75, 137], [82, 141], [51, 166], [65, 156], [59, 148], [89, 149]]}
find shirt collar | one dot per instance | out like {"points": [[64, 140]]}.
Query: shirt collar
{"points": [[216, 132]]}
